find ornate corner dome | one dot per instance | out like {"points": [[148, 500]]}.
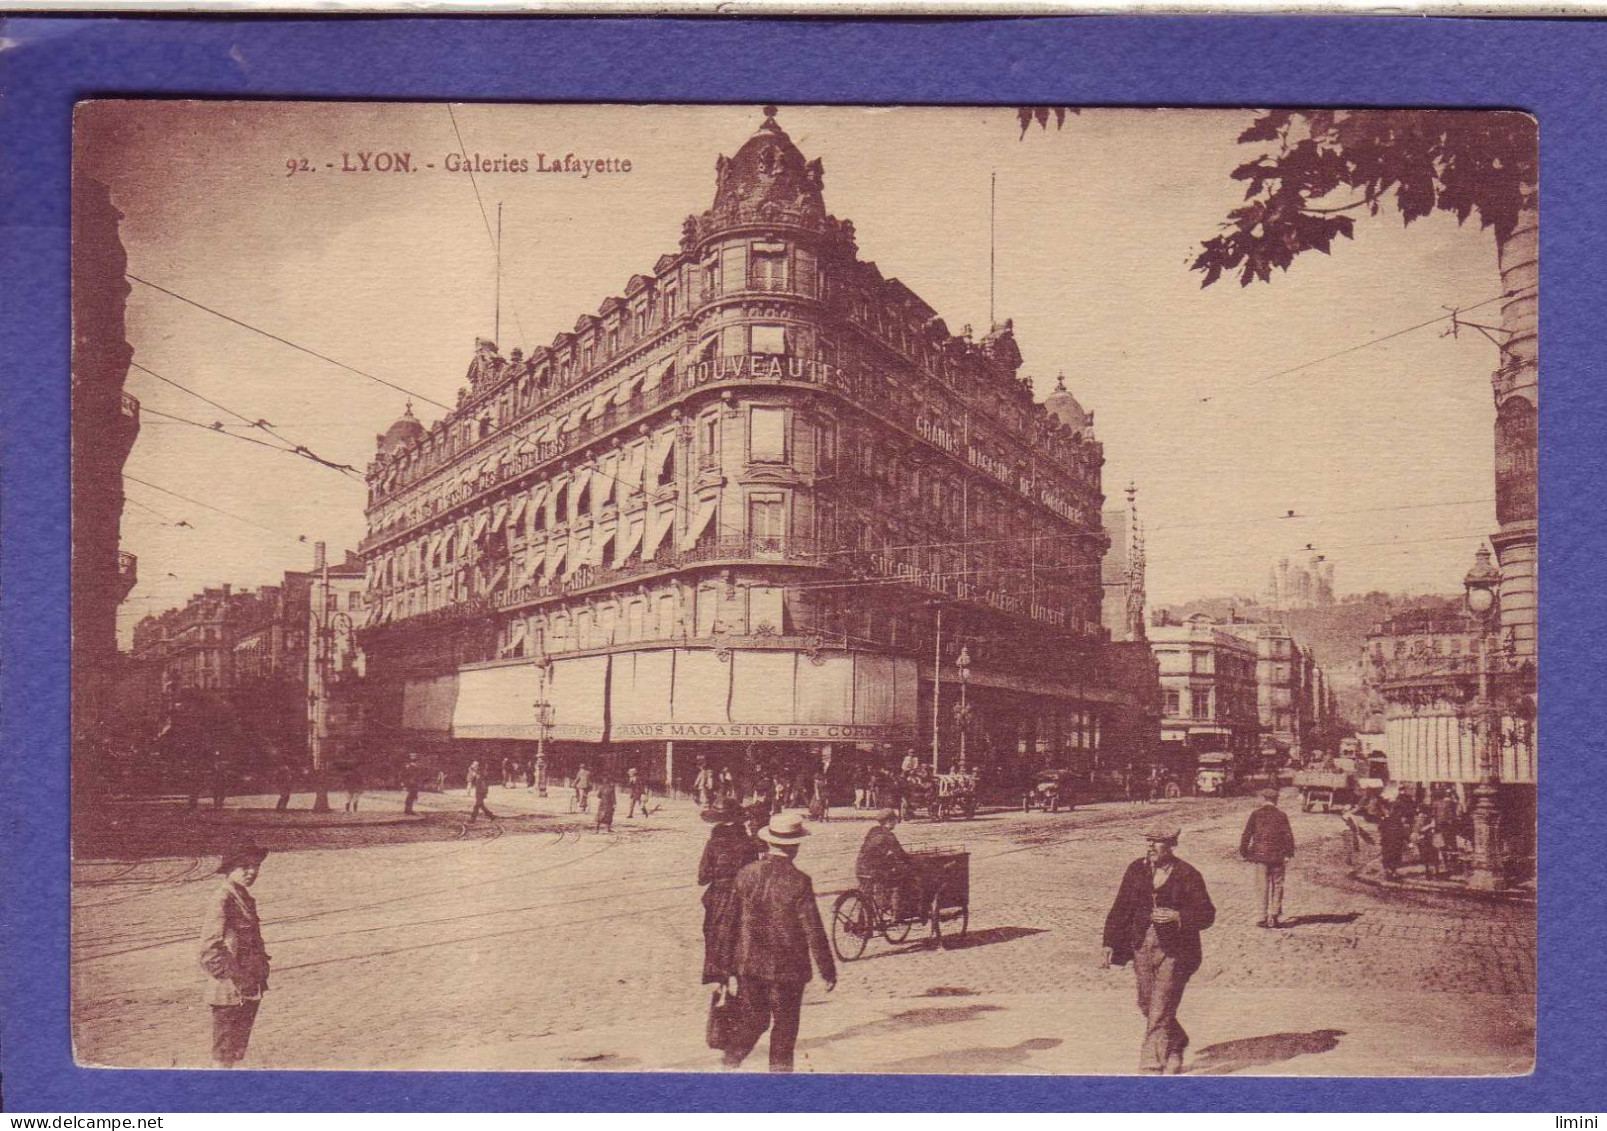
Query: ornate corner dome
{"points": [[1064, 407], [405, 431], [768, 181]]}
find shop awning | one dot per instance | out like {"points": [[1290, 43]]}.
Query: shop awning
{"points": [[700, 522], [481, 521], [574, 419], [630, 474], [599, 405], [579, 551], [627, 389], [663, 446], [556, 550], [600, 535], [656, 374], [428, 704], [499, 516], [538, 497], [578, 691], [516, 636], [626, 546], [516, 510], [640, 688], [464, 540], [658, 525], [496, 702], [762, 686], [607, 477]]}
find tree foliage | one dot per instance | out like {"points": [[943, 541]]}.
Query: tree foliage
{"points": [[1468, 163]]}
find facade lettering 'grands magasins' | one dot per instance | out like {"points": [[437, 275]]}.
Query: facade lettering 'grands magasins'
{"points": [[729, 507]]}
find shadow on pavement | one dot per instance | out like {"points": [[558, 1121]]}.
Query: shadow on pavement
{"points": [[1258, 1052], [984, 1060], [1327, 917], [989, 936], [902, 1022]]}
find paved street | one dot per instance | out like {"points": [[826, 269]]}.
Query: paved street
{"points": [[440, 945]]}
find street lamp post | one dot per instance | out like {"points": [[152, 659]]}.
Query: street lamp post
{"points": [[1482, 583], [543, 708], [962, 664]]}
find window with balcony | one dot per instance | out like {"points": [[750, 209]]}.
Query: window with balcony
{"points": [[734, 268], [767, 435], [766, 522], [770, 339], [708, 598], [709, 438], [769, 270]]}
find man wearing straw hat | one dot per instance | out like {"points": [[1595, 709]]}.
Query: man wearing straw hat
{"points": [[777, 929], [1155, 923], [233, 956]]}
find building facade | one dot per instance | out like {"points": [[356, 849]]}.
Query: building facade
{"points": [[1122, 572], [105, 423], [1297, 586], [241, 665], [1210, 697], [751, 508]]}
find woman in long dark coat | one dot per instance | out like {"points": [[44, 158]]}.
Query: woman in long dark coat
{"points": [[728, 850]]}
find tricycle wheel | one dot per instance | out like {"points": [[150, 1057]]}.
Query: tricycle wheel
{"points": [[850, 926], [897, 930], [956, 933]]}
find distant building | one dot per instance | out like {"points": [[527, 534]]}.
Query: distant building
{"points": [[1210, 701], [1122, 572], [242, 661], [1421, 678], [1300, 586]]}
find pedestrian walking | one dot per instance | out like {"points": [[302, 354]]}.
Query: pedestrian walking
{"points": [[1391, 842], [1268, 842], [478, 787], [638, 792], [287, 782], [606, 800], [1155, 923], [729, 849], [1448, 822], [354, 787], [583, 787], [703, 786], [819, 799], [233, 956], [777, 930], [1427, 845], [410, 783], [1355, 834]]}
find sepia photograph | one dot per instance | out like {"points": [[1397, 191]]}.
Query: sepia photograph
{"points": [[961, 590]]}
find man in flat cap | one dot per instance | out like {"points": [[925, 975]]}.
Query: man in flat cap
{"points": [[1160, 910], [1268, 842], [883, 868], [233, 956]]}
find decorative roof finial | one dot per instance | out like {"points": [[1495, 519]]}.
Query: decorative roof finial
{"points": [[1060, 382], [770, 116]]}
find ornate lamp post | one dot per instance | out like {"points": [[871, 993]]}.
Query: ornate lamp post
{"points": [[962, 715], [1482, 583], [544, 713]]}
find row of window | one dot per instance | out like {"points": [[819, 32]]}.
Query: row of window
{"points": [[750, 609]]}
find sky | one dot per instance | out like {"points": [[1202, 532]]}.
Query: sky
{"points": [[1384, 453]]}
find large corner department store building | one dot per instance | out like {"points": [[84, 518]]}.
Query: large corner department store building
{"points": [[738, 516]]}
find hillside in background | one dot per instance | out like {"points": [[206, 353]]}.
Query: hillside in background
{"points": [[1334, 634]]}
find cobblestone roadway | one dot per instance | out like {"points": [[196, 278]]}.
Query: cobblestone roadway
{"points": [[534, 943]]}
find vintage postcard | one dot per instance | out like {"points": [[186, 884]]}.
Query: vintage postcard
{"points": [[823, 589]]}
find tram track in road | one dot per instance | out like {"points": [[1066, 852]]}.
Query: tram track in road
{"points": [[143, 942]]}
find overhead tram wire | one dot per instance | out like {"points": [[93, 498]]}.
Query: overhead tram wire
{"points": [[1450, 314], [211, 507], [496, 242], [287, 342], [262, 425]]}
